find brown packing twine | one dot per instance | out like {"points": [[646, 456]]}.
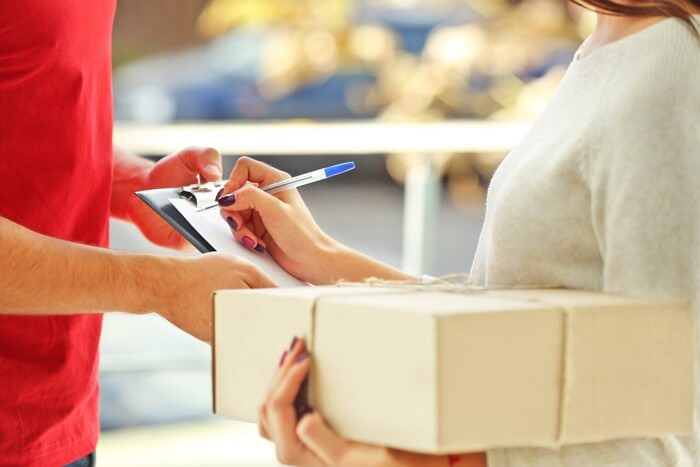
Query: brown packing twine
{"points": [[460, 283], [457, 283]]}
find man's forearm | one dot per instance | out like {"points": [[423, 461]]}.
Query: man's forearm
{"points": [[129, 175], [43, 275]]}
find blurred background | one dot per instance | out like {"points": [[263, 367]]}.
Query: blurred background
{"points": [[227, 63]]}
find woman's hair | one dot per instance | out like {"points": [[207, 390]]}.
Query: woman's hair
{"points": [[680, 9]]}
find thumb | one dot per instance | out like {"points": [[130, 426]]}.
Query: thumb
{"points": [[320, 439], [209, 164], [204, 161]]}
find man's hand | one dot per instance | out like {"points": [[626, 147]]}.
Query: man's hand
{"points": [[187, 300], [133, 173], [50, 276]]}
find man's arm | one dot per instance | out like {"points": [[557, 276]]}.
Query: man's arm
{"points": [[44, 275]]}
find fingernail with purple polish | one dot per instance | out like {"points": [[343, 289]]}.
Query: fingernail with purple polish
{"points": [[259, 248], [248, 242], [284, 354], [294, 341], [231, 223], [227, 200], [218, 195], [302, 356], [305, 411]]}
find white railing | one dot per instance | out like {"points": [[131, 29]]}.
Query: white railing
{"points": [[422, 190]]}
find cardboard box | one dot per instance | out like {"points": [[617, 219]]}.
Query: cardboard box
{"points": [[447, 372]]}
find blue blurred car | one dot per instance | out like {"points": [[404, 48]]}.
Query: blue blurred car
{"points": [[218, 81]]}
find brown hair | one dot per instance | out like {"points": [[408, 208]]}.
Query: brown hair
{"points": [[681, 9]]}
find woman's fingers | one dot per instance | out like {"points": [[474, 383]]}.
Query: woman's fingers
{"points": [[258, 226], [278, 410], [249, 197], [295, 366], [250, 170], [234, 219], [321, 440], [249, 240], [264, 213], [243, 231], [286, 362], [283, 366], [262, 423]]}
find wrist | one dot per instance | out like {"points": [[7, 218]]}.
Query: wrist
{"points": [[334, 261], [150, 282], [131, 174], [132, 204], [343, 263]]}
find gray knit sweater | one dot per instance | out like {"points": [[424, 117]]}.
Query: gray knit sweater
{"points": [[604, 194]]}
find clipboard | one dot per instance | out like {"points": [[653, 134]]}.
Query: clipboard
{"points": [[200, 194], [183, 209]]}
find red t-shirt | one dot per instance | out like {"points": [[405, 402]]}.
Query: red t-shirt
{"points": [[55, 178]]}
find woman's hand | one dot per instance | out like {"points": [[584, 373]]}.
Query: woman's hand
{"points": [[280, 224], [311, 443], [283, 225]]}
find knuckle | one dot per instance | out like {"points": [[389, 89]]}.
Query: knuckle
{"points": [[243, 160], [276, 403], [287, 456], [210, 154], [308, 425], [283, 457], [245, 189], [244, 194], [304, 429]]}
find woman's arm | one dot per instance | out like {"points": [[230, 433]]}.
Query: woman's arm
{"points": [[283, 225], [311, 443]]}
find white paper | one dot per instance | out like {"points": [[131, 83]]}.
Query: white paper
{"points": [[216, 231]]}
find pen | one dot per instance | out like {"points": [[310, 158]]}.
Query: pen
{"points": [[301, 180]]}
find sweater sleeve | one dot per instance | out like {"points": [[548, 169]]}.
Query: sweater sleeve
{"points": [[644, 184]]}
